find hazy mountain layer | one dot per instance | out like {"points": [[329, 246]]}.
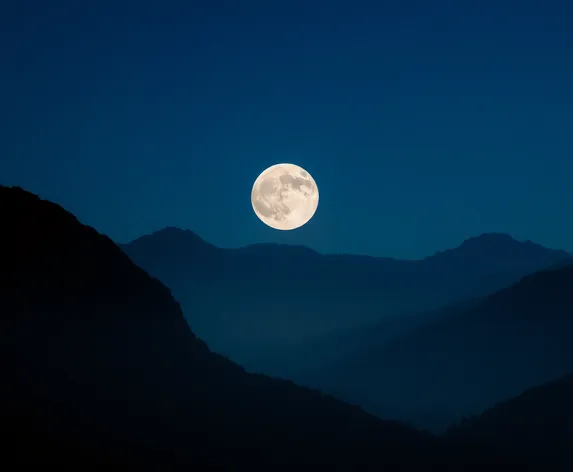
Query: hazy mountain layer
{"points": [[468, 360], [282, 309]]}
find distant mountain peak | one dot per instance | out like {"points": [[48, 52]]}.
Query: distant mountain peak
{"points": [[174, 231], [487, 241], [490, 249], [492, 237], [499, 239], [172, 234], [498, 245]]}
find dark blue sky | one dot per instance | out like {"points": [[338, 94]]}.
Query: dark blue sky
{"points": [[423, 123]]}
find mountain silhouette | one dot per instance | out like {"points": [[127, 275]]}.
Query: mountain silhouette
{"points": [[536, 426], [498, 252], [464, 362], [100, 366], [272, 307]]}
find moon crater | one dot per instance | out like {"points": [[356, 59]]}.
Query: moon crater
{"points": [[284, 196]]}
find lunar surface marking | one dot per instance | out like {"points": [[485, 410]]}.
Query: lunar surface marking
{"points": [[285, 196]]}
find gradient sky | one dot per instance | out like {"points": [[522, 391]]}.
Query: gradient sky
{"points": [[423, 123]]}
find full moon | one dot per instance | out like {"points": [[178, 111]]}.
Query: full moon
{"points": [[285, 196]]}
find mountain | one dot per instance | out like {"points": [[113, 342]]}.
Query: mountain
{"points": [[466, 361], [333, 349], [100, 367], [537, 425], [563, 263], [268, 306]]}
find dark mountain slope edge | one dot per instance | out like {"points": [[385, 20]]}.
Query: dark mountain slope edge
{"points": [[538, 424]]}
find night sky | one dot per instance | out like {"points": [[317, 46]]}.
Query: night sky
{"points": [[423, 123]]}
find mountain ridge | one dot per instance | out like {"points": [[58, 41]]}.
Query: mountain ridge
{"points": [[232, 293], [483, 239], [101, 368], [88, 337], [509, 341]]}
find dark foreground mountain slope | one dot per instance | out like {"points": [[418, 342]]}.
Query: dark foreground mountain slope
{"points": [[512, 340], [99, 365], [537, 425], [231, 294]]}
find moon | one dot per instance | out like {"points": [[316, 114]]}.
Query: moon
{"points": [[285, 197]]}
